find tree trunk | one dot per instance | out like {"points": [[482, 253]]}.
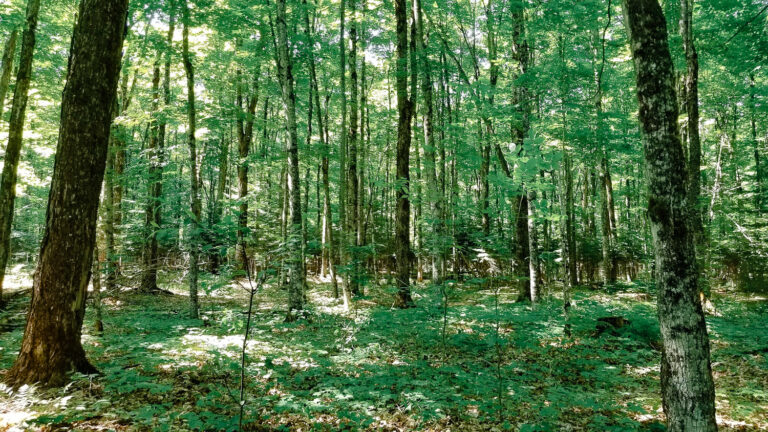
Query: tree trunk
{"points": [[98, 324], [51, 345], [352, 216], [152, 213], [294, 242], [686, 377], [327, 222], [343, 148], [403, 213], [5, 72], [15, 135], [244, 139], [691, 103], [195, 205]]}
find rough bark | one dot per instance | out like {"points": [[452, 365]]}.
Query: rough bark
{"points": [[15, 135], [51, 346], [294, 247], [403, 211], [686, 376]]}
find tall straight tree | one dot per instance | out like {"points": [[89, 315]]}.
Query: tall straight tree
{"points": [[294, 239], [244, 138], [691, 104], [194, 176], [327, 222], [687, 387], [404, 113], [152, 212], [156, 153], [51, 345], [434, 198], [15, 134], [352, 228]]}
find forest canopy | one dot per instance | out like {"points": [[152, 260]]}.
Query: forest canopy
{"points": [[384, 215]]}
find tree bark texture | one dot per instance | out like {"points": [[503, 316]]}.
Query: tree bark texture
{"points": [[686, 377], [51, 345]]}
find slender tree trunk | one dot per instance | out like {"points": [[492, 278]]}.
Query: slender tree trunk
{"points": [[294, 242], [245, 137], [15, 135], [352, 216], [51, 346], [152, 214], [758, 167], [327, 227], [195, 205], [98, 324], [691, 103], [5, 72], [403, 213], [688, 391], [608, 271], [343, 249]]}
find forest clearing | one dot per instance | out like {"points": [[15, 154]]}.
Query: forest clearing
{"points": [[384, 215]]}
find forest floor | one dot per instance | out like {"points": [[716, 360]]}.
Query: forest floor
{"points": [[500, 365]]}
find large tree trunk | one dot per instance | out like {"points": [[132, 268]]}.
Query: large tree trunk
{"points": [[51, 346], [686, 377], [15, 134], [294, 242], [194, 180], [5, 72], [403, 213]]}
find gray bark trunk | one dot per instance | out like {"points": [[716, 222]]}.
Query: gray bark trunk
{"points": [[686, 377]]}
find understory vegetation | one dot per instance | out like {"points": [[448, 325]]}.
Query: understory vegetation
{"points": [[498, 364]]}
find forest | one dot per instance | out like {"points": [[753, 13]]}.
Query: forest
{"points": [[384, 215]]}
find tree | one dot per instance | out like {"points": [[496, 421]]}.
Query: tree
{"points": [[402, 179], [194, 175], [293, 245], [7, 63], [15, 136], [691, 103], [686, 377], [51, 345]]}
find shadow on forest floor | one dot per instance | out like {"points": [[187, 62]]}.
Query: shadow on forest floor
{"points": [[497, 368]]}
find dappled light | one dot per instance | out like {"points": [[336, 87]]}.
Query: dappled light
{"points": [[397, 216]]}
